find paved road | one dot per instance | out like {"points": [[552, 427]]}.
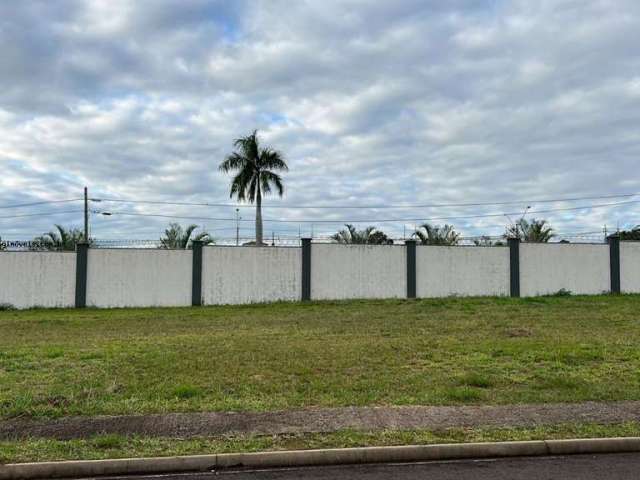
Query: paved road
{"points": [[574, 467]]}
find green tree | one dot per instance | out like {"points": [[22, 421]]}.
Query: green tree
{"points": [[633, 234], [369, 235], [2, 245], [537, 231], [380, 238], [175, 237], [255, 166], [436, 235], [60, 239]]}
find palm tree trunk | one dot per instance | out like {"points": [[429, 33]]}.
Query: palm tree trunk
{"points": [[258, 217]]}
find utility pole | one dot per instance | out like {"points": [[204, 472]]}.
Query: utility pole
{"points": [[86, 216], [237, 227]]}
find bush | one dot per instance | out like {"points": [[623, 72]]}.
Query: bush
{"points": [[563, 292]]}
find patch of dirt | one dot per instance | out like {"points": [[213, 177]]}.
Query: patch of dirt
{"points": [[518, 332], [322, 420]]}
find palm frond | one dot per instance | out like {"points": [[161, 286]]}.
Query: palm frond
{"points": [[186, 236], [436, 235], [369, 235], [272, 160], [270, 179], [537, 231], [234, 161]]}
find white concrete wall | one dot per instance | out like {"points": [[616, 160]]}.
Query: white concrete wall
{"points": [[630, 267], [358, 271], [464, 271], [138, 278], [580, 268], [45, 279], [235, 275]]}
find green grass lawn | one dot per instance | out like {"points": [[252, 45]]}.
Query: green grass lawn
{"points": [[116, 446], [267, 357]]}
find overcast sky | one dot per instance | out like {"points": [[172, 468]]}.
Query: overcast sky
{"points": [[371, 102]]}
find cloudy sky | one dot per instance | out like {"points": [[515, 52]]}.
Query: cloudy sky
{"points": [[372, 103]]}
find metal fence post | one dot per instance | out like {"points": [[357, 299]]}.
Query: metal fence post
{"points": [[306, 269], [410, 245], [196, 278], [614, 262], [82, 254], [514, 266]]}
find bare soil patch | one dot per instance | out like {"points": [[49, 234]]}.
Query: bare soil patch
{"points": [[322, 420]]}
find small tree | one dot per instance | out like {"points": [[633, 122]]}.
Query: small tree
{"points": [[537, 231], [436, 235], [60, 239], [369, 235], [175, 237]]}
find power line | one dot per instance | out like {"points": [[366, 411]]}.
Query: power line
{"points": [[43, 202], [373, 220], [40, 214], [376, 207]]}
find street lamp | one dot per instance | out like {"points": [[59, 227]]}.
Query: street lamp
{"points": [[237, 227]]}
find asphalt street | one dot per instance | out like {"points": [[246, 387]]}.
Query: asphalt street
{"points": [[573, 467]]}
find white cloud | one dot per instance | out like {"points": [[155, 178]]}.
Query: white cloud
{"points": [[371, 102]]}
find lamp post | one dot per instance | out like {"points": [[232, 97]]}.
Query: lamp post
{"points": [[237, 227]]}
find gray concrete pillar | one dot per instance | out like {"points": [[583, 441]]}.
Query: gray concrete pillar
{"points": [[82, 257], [306, 269], [514, 266], [196, 278], [411, 268]]}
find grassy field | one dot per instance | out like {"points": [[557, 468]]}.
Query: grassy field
{"points": [[266, 357], [114, 446]]}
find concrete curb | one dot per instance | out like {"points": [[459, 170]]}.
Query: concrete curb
{"points": [[299, 458]]}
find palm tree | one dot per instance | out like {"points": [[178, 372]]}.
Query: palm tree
{"points": [[436, 235], [61, 239], [369, 235], [255, 166], [633, 234], [537, 231], [486, 241], [175, 237]]}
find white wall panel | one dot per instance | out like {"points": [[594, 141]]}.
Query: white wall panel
{"points": [[580, 268], [236, 275], [44, 279], [465, 271], [138, 277], [630, 267], [358, 271]]}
